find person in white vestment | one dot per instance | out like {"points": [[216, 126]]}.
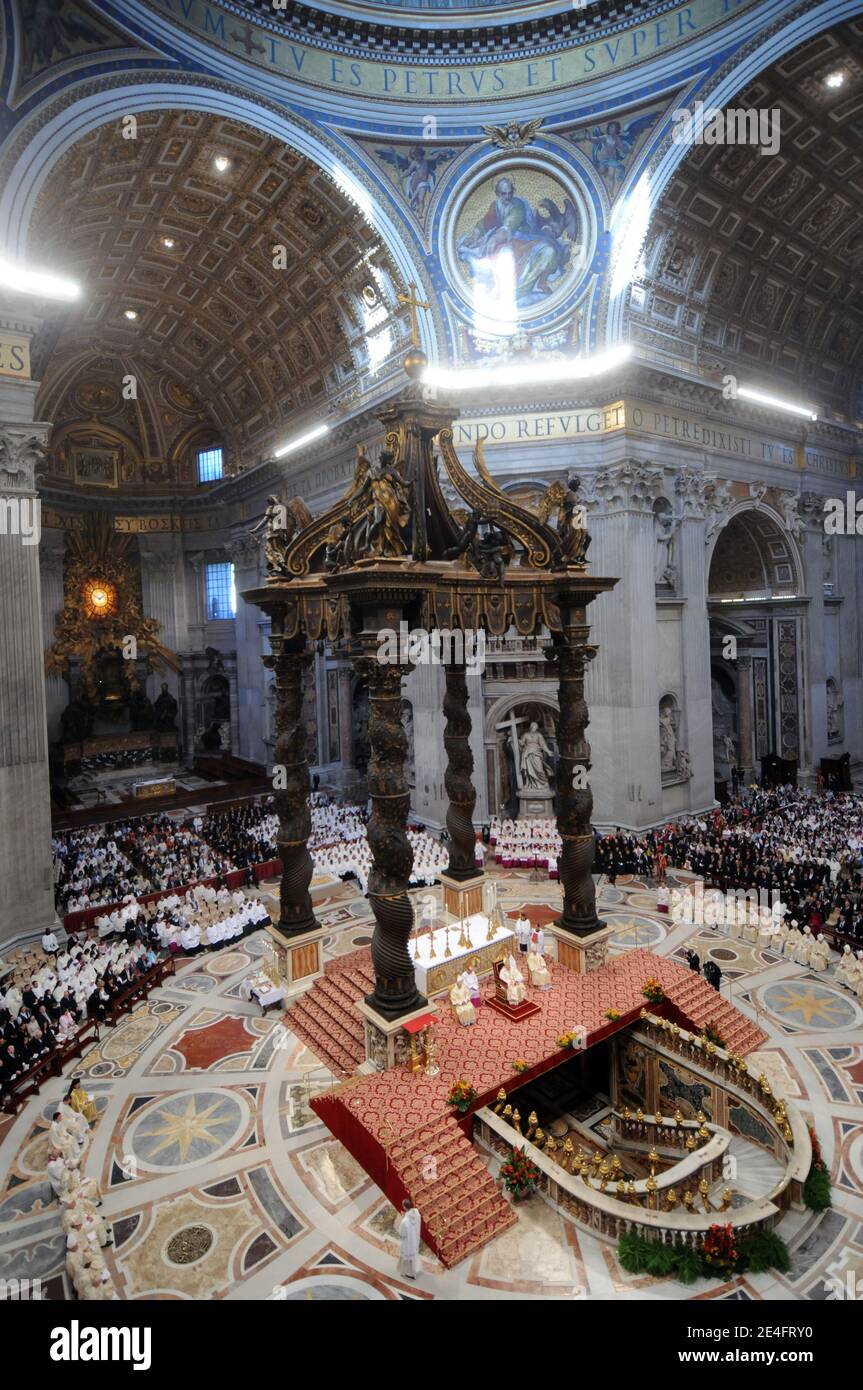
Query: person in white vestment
{"points": [[539, 976], [460, 999], [522, 934], [409, 1240], [819, 956], [514, 981]]}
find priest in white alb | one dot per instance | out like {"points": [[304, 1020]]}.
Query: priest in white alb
{"points": [[409, 1240]]}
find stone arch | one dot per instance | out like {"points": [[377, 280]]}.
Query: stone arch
{"points": [[759, 533], [498, 711], [26, 175]]}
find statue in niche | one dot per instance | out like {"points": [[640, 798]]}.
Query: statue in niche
{"points": [[684, 764], [665, 572], [535, 759], [165, 710], [667, 739], [729, 749], [835, 706]]}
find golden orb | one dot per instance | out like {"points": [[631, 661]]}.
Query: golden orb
{"points": [[415, 363]]}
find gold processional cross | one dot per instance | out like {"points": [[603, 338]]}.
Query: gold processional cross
{"points": [[413, 304]]}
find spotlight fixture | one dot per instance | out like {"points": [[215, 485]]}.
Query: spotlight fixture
{"points": [[221, 162], [130, 313], [168, 242], [835, 78]]}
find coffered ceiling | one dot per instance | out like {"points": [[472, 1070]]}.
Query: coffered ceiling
{"points": [[257, 346], [754, 262]]}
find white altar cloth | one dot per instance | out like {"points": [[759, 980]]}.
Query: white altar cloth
{"points": [[446, 968]]}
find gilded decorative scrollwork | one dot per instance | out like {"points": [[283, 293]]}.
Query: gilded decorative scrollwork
{"points": [[539, 541]]}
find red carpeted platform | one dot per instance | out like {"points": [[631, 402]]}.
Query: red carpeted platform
{"points": [[399, 1127]]}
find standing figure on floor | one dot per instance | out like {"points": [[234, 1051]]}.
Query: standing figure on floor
{"points": [[409, 1240]]}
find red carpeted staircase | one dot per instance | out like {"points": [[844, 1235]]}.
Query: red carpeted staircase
{"points": [[324, 1017], [460, 1204], [702, 1004]]}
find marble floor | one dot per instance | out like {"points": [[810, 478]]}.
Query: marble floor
{"points": [[221, 1183]]}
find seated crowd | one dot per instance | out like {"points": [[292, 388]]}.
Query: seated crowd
{"points": [[42, 1010], [805, 845], [526, 844]]}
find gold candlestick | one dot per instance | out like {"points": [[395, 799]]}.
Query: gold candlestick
{"points": [[447, 953], [431, 942]]}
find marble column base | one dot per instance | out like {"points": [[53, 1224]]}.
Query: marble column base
{"points": [[580, 953], [387, 1042], [299, 957]]}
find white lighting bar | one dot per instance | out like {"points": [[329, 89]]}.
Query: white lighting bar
{"points": [[301, 440], [24, 281], [748, 394], [525, 373]]}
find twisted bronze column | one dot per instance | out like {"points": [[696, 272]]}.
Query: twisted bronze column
{"points": [[458, 779], [395, 991], [290, 660], [571, 653]]}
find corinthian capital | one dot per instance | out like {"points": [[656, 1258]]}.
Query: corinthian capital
{"points": [[627, 486], [689, 488], [22, 454]]}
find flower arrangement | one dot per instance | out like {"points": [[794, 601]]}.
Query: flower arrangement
{"points": [[612, 1015], [816, 1188], [519, 1064], [710, 1033], [653, 991], [519, 1174], [462, 1095], [719, 1249]]}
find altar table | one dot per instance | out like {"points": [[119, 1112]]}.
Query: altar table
{"points": [[441, 972]]}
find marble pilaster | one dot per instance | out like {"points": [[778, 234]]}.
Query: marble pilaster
{"points": [[26, 880]]}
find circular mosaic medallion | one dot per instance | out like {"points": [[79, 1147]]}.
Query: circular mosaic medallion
{"points": [[227, 963], [519, 238], [187, 1128], [189, 1245], [804, 1004]]}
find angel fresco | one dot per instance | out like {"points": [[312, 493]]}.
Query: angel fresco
{"points": [[611, 147], [416, 171], [539, 240]]}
